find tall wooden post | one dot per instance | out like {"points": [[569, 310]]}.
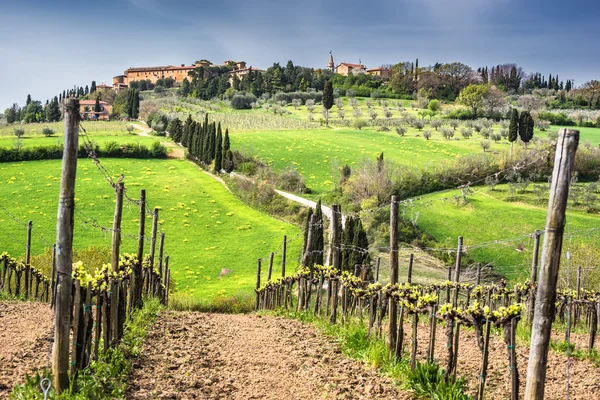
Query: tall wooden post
{"points": [[377, 264], [309, 241], [336, 234], [271, 256], [114, 262], [283, 255], [152, 248], [393, 306], [551, 250], [161, 249], [64, 247], [457, 270], [53, 277], [411, 260], [28, 275], [135, 287], [257, 285], [533, 277]]}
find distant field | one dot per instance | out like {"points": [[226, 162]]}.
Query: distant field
{"points": [[207, 229], [487, 217], [317, 153], [94, 128], [591, 135], [11, 142]]}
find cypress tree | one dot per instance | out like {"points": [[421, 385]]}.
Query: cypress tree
{"points": [[186, 130], [135, 108], [228, 161], [97, 105], [327, 99], [226, 143], [526, 125], [219, 152], [28, 100], [513, 128], [347, 239], [193, 136], [318, 240], [93, 87], [306, 228]]}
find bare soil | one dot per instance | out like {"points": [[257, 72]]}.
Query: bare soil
{"points": [[24, 330], [585, 377], [214, 356]]}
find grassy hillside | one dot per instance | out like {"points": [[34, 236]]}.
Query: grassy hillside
{"points": [[490, 216], [318, 153], [207, 229]]}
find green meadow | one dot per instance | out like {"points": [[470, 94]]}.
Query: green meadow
{"points": [[490, 216], [318, 154], [212, 238]]}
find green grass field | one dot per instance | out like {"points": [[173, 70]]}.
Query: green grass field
{"points": [[317, 154], [207, 229], [488, 216]]}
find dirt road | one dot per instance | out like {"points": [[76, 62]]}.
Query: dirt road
{"points": [[216, 356]]}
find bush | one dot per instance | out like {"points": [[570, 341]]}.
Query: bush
{"points": [[556, 118], [460, 113], [242, 101], [359, 123], [19, 132], [400, 130], [48, 131]]}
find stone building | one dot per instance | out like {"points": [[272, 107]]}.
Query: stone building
{"points": [[383, 72], [345, 68], [86, 109]]}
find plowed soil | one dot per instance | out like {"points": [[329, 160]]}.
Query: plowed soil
{"points": [[215, 356], [24, 330]]}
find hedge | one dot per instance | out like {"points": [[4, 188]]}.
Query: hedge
{"points": [[110, 149]]}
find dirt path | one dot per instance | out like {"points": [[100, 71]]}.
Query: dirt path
{"points": [[24, 329], [216, 356], [174, 150]]}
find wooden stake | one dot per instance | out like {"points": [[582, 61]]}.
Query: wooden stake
{"points": [[533, 277], [28, 275], [64, 247], [257, 285], [546, 292], [135, 286], [152, 249], [270, 272], [410, 268], [393, 306], [336, 211], [377, 263], [283, 255], [116, 247]]}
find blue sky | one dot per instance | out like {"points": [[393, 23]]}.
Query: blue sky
{"points": [[47, 46]]}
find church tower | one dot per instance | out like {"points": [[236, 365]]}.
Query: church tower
{"points": [[330, 64]]}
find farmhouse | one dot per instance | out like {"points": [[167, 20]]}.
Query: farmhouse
{"points": [[383, 72], [86, 109], [345, 68], [177, 73]]}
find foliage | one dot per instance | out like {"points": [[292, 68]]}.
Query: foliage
{"points": [[428, 382], [243, 101], [473, 96]]}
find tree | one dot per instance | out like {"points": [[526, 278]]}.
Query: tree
{"points": [[473, 96], [135, 105], [93, 87], [434, 105], [513, 127], [228, 164], [53, 114], [226, 143], [526, 125], [327, 99], [97, 107], [28, 100], [529, 102], [12, 113], [591, 91], [219, 151], [494, 100]]}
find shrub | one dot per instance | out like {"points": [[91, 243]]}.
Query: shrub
{"points": [[556, 118], [486, 133], [485, 144], [19, 132], [466, 132], [447, 133], [242, 101], [359, 123], [461, 114], [400, 130], [48, 131], [419, 124], [427, 134]]}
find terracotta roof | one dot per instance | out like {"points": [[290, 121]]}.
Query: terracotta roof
{"points": [[159, 68], [91, 102], [103, 86], [379, 69], [353, 65]]}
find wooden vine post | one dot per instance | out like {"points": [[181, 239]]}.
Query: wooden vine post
{"points": [[152, 248], [283, 255], [455, 302], [64, 247], [28, 275], [135, 286], [533, 277], [114, 262], [336, 255], [257, 287], [564, 161], [393, 306]]}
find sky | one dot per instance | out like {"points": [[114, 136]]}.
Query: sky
{"points": [[47, 46]]}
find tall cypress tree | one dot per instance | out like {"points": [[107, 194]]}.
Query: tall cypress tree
{"points": [[347, 239], [219, 152], [226, 143], [327, 99], [513, 128], [526, 125], [97, 105], [186, 130], [135, 108], [93, 87]]}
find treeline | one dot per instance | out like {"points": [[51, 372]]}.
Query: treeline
{"points": [[204, 142]]}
